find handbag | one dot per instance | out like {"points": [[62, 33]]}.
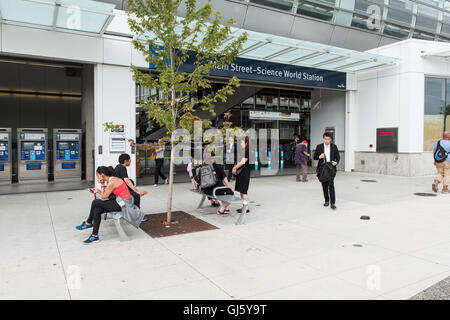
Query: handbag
{"points": [[238, 171]]}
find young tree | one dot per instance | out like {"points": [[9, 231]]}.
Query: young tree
{"points": [[203, 40]]}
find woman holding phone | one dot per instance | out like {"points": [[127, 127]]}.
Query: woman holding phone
{"points": [[114, 186], [242, 172]]}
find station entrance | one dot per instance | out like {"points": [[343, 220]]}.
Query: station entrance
{"points": [[42, 139], [251, 106]]}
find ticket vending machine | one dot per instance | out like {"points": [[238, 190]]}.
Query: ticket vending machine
{"points": [[32, 155], [67, 155], [5, 156]]}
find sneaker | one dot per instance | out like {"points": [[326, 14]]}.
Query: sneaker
{"points": [[84, 226], [227, 211], [91, 239], [333, 206], [220, 212], [144, 219]]}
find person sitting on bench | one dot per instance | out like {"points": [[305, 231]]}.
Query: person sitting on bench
{"points": [[222, 181], [116, 186]]}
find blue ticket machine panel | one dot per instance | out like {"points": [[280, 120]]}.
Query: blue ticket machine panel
{"points": [[67, 155], [5, 156], [32, 154]]}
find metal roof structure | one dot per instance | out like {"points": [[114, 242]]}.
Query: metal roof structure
{"points": [[75, 16]]}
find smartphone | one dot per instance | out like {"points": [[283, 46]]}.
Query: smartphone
{"points": [[91, 190]]}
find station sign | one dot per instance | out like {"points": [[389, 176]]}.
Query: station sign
{"points": [[258, 70], [273, 115]]}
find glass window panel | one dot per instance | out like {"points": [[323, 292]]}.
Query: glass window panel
{"points": [[363, 5], [364, 22], [434, 111], [318, 59], [278, 4], [423, 36], [296, 54], [445, 30], [315, 10], [265, 50], [27, 12], [400, 11], [396, 31], [74, 17], [426, 18]]}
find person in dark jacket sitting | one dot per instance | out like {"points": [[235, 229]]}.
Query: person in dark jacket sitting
{"points": [[328, 152]]}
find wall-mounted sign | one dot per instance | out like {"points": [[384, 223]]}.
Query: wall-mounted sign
{"points": [[387, 140], [118, 128], [273, 115], [258, 70], [117, 144]]}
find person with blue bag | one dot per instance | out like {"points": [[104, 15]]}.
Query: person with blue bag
{"points": [[441, 156]]}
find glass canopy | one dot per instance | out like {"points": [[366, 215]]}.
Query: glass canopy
{"points": [[85, 16], [261, 46], [267, 47]]}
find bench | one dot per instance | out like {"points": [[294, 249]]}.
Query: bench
{"points": [[117, 216], [227, 198]]}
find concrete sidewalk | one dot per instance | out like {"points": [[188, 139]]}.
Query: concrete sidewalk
{"points": [[290, 246]]}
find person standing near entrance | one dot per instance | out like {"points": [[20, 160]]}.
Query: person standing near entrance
{"points": [[443, 167], [143, 124], [242, 172], [159, 162], [328, 152], [301, 155]]}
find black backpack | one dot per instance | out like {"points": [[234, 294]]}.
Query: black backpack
{"points": [[440, 155], [325, 172]]}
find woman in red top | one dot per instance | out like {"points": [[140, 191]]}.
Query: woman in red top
{"points": [[116, 186]]}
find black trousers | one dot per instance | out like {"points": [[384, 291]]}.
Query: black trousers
{"points": [[328, 191], [158, 165], [97, 208]]}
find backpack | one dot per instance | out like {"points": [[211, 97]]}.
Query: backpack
{"points": [[440, 155], [207, 176], [325, 172]]}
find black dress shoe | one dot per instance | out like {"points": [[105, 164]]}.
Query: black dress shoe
{"points": [[240, 210], [326, 204], [333, 206]]}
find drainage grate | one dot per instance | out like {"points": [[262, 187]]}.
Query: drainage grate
{"points": [[425, 194], [368, 180]]}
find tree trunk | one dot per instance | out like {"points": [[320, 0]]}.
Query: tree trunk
{"points": [[172, 166]]}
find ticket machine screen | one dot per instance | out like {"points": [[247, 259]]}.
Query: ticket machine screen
{"points": [[67, 150], [4, 156], [32, 150]]}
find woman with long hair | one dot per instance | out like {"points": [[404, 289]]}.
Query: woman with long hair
{"points": [[242, 172], [159, 162], [115, 186]]}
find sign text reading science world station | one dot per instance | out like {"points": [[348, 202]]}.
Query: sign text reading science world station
{"points": [[257, 70]]}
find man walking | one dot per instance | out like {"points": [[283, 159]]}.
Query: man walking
{"points": [[328, 152], [443, 168], [301, 155]]}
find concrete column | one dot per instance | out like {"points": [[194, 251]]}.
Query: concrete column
{"points": [[350, 130], [114, 102], [87, 119]]}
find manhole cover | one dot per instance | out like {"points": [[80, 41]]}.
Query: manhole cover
{"points": [[425, 194], [368, 180]]}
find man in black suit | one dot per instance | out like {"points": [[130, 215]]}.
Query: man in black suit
{"points": [[328, 152]]}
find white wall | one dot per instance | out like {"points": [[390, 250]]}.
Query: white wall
{"points": [[394, 97], [114, 101], [331, 113]]}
